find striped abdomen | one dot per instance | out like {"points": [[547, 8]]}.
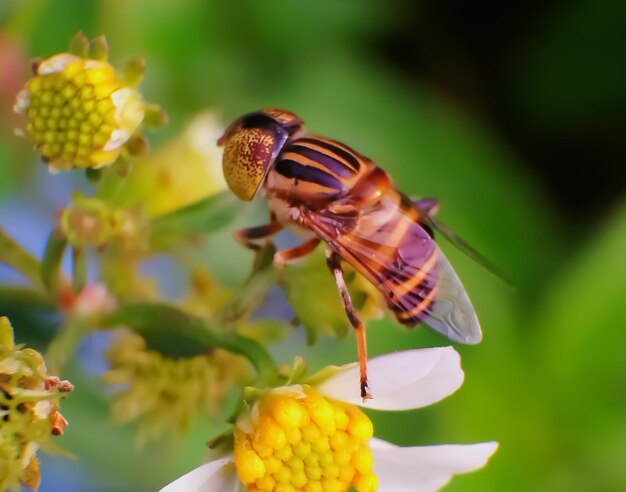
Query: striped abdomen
{"points": [[315, 168], [397, 255], [387, 245]]}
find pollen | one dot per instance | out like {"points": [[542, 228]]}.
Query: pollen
{"points": [[300, 441], [78, 113]]}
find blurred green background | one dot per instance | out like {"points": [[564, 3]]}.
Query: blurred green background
{"points": [[512, 115]]}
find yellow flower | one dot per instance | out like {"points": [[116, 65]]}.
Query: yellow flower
{"points": [[29, 401], [313, 438], [296, 439], [165, 393], [79, 112]]}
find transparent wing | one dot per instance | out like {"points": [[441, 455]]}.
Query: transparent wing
{"points": [[397, 255], [452, 313]]}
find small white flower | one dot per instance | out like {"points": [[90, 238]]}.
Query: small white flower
{"points": [[399, 381]]}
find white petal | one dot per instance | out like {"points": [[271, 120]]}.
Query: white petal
{"points": [[216, 476], [117, 139], [22, 101], [425, 468], [400, 380], [56, 63]]}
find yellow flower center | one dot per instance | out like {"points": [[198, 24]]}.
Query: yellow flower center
{"points": [[74, 114], [297, 440]]}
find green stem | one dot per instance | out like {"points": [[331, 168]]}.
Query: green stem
{"points": [[20, 296], [79, 269], [13, 254], [52, 257]]}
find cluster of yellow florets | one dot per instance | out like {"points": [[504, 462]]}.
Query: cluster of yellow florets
{"points": [[29, 400], [165, 393], [79, 112], [73, 113], [296, 440]]}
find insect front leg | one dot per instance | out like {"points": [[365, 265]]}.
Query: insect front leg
{"points": [[281, 258], [334, 263], [250, 237]]}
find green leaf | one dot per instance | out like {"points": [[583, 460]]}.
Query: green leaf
{"points": [[312, 293]]}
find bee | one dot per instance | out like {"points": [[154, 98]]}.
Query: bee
{"points": [[325, 191]]}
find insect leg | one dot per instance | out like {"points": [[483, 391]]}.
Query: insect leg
{"points": [[247, 237], [334, 263], [286, 255]]}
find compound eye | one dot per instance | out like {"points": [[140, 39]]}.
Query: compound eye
{"points": [[248, 155]]}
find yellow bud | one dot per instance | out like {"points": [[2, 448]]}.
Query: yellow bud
{"points": [[299, 479], [248, 463], [332, 485], [346, 473], [272, 464], [284, 487], [313, 487], [341, 418], [283, 475], [360, 426], [321, 413], [266, 482], [270, 434], [362, 459], [311, 433], [313, 472], [295, 463], [294, 435], [284, 454], [366, 483], [286, 411]]}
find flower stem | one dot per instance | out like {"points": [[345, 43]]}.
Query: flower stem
{"points": [[52, 257], [13, 254]]}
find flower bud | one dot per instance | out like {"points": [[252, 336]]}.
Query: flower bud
{"points": [[79, 112]]}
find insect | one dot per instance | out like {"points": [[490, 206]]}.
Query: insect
{"points": [[325, 191]]}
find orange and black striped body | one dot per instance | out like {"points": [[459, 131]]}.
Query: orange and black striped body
{"points": [[325, 187]]}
